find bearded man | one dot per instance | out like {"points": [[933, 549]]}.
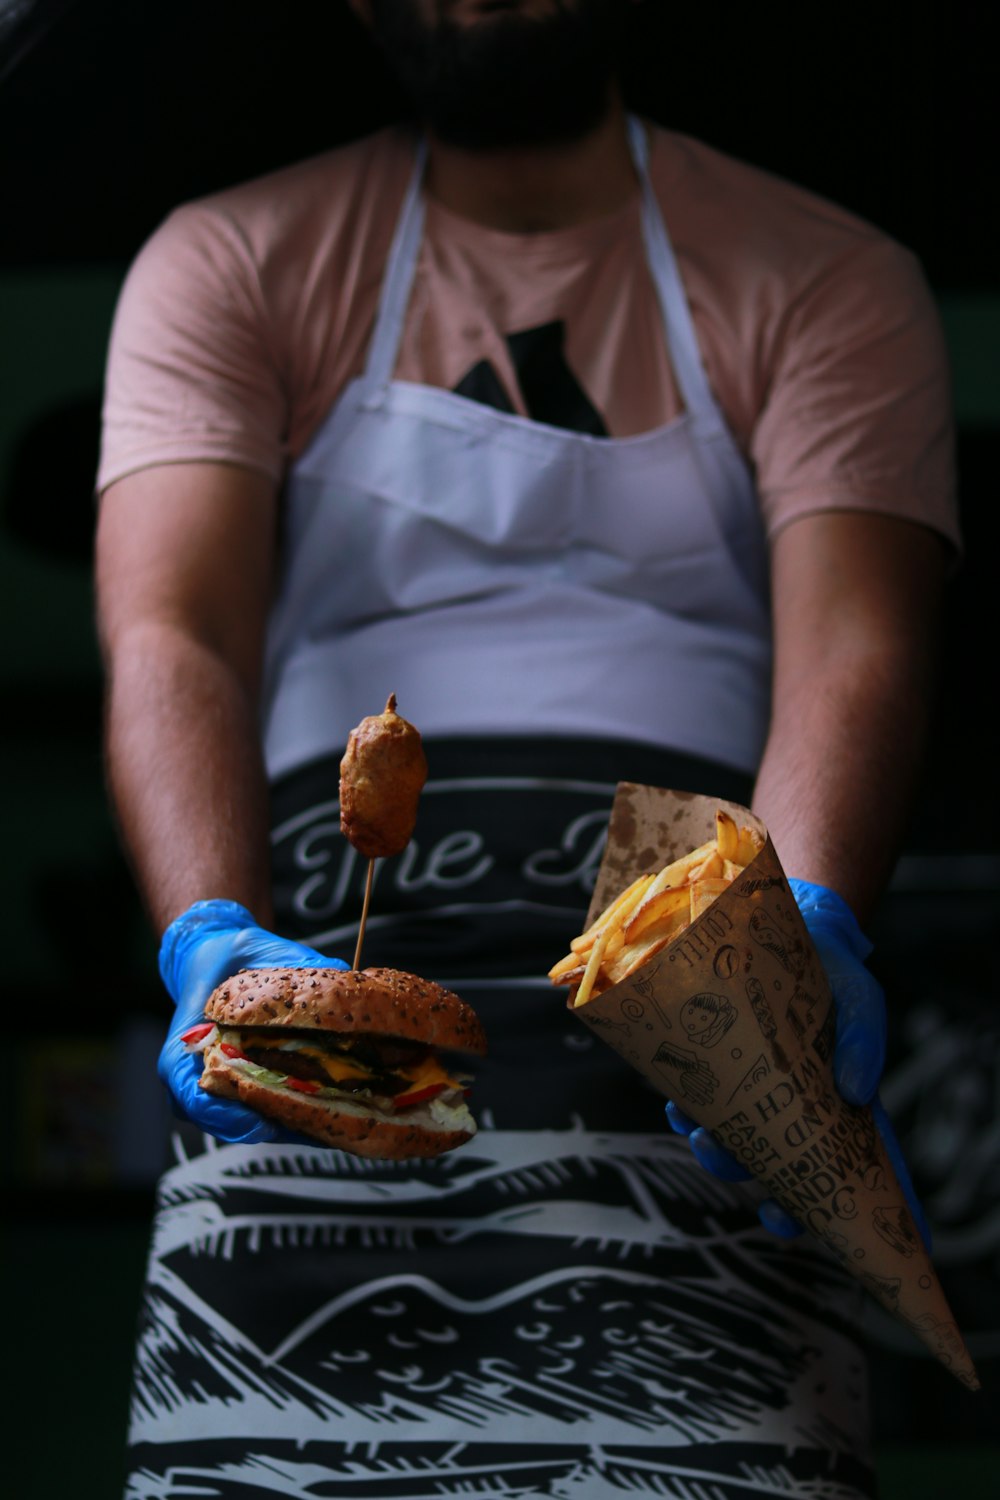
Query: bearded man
{"points": [[616, 459]]}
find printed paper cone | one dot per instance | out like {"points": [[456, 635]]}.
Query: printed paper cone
{"points": [[734, 1021]]}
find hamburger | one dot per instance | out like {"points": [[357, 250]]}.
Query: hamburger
{"points": [[371, 1060]]}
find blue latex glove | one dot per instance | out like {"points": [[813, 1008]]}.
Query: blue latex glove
{"points": [[202, 947], [859, 1051]]}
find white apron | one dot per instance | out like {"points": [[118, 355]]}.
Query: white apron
{"points": [[502, 575]]}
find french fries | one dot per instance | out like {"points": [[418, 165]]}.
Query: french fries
{"points": [[653, 910]]}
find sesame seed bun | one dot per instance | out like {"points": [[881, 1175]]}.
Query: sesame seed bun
{"points": [[384, 1002]]}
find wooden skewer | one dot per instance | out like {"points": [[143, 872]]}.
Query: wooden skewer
{"points": [[364, 913]]}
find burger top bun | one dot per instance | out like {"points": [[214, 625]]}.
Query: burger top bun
{"points": [[385, 1002]]}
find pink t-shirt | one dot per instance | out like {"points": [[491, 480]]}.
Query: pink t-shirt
{"points": [[246, 314]]}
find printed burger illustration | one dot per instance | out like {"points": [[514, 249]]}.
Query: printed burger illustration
{"points": [[702, 975], [373, 1061]]}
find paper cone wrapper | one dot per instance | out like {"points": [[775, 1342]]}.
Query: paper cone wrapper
{"points": [[735, 1022]]}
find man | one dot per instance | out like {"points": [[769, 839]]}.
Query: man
{"points": [[615, 459]]}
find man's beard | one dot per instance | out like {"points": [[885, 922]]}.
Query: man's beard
{"points": [[506, 80]]}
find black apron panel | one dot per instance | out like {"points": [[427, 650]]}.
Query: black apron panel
{"points": [[445, 906], [568, 1306]]}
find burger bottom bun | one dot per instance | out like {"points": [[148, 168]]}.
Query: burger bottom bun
{"points": [[340, 1122]]}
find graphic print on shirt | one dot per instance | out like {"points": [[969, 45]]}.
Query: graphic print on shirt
{"points": [[550, 391]]}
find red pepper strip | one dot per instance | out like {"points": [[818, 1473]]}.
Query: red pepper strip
{"points": [[402, 1101], [304, 1085], [197, 1033], [231, 1051]]}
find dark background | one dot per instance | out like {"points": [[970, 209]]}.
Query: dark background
{"points": [[111, 111]]}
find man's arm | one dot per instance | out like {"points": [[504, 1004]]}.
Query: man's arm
{"points": [[856, 602], [185, 558]]}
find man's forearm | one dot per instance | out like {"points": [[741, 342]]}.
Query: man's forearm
{"points": [[185, 561], [856, 602], [186, 774], [837, 778]]}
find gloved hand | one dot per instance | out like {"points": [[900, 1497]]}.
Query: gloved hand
{"points": [[859, 1051], [202, 947]]}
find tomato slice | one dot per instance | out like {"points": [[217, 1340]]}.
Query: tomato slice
{"points": [[304, 1085], [197, 1033], [231, 1051], [403, 1101]]}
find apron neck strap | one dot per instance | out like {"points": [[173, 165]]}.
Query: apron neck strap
{"points": [[398, 278], [682, 341]]}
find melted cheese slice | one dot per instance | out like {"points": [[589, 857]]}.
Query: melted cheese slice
{"points": [[419, 1075], [427, 1073]]}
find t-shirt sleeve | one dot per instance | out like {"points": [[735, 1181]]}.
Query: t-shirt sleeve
{"points": [[191, 373], [857, 414]]}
